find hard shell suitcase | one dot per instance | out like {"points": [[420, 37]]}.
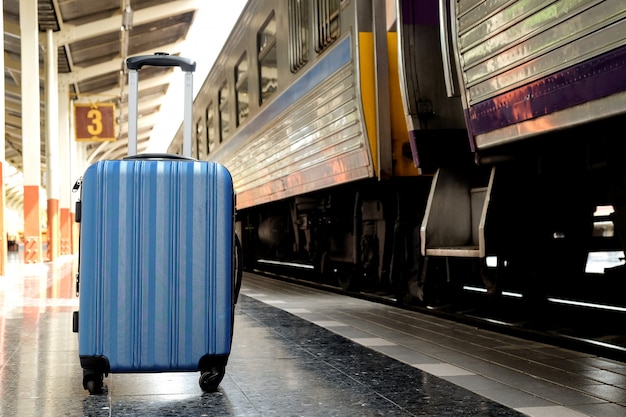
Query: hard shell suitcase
{"points": [[157, 260]]}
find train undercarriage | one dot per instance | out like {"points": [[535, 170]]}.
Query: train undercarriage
{"points": [[350, 232], [525, 225]]}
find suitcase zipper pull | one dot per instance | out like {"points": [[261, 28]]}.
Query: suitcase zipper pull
{"points": [[77, 184], [77, 208]]}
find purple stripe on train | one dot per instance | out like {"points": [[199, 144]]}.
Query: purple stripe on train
{"points": [[420, 13], [592, 79]]}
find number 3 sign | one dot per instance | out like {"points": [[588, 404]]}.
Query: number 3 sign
{"points": [[95, 122]]}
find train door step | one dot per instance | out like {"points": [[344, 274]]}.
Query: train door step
{"points": [[453, 224], [458, 251]]}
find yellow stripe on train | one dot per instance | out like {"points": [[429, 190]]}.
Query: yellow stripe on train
{"points": [[402, 165]]}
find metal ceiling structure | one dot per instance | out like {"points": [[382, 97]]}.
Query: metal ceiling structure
{"points": [[93, 39]]}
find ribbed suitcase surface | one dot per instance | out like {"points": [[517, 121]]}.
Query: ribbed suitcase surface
{"points": [[156, 267]]}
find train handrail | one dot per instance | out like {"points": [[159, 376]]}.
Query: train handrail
{"points": [[445, 48]]}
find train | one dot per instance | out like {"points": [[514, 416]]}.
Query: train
{"points": [[421, 148]]}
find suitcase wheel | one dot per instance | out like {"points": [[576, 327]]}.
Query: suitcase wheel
{"points": [[93, 381], [210, 379]]}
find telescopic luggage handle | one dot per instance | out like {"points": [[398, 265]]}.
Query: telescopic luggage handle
{"points": [[159, 59], [159, 156]]}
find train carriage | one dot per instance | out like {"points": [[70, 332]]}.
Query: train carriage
{"points": [[402, 145], [543, 92]]}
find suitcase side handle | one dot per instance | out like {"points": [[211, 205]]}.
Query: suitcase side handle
{"points": [[164, 156], [161, 59]]}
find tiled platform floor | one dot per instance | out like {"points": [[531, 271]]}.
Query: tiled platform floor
{"points": [[296, 352]]}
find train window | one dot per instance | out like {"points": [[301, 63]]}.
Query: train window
{"points": [[224, 115], [267, 59], [326, 27], [298, 30], [197, 150], [210, 127], [241, 87]]}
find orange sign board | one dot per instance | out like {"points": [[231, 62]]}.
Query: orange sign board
{"points": [[95, 122]]}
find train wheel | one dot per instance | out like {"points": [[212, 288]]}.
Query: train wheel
{"points": [[490, 278], [412, 292], [346, 277], [406, 266], [442, 280]]}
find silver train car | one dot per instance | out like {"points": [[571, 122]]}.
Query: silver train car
{"points": [[421, 147]]}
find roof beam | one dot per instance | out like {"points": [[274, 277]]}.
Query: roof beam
{"points": [[15, 91], [81, 74], [115, 92], [71, 33], [115, 151], [11, 62]]}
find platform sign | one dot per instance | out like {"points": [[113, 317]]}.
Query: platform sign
{"points": [[95, 122]]}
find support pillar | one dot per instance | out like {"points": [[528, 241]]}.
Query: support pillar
{"points": [[65, 216], [31, 132], [53, 171], [3, 233]]}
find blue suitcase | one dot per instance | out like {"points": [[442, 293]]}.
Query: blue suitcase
{"points": [[157, 273]]}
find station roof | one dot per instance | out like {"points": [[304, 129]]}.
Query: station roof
{"points": [[92, 47]]}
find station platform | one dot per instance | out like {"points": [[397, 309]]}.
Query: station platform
{"points": [[298, 351]]}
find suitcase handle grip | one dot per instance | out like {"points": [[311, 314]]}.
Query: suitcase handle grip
{"points": [[165, 156], [161, 59]]}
